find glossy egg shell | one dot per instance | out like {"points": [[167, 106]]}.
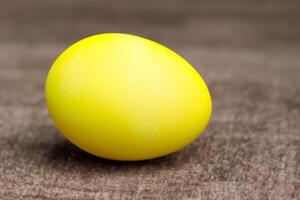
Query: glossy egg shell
{"points": [[124, 97]]}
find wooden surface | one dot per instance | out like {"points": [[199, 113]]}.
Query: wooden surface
{"points": [[247, 51]]}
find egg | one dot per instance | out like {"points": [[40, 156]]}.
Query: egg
{"points": [[124, 97]]}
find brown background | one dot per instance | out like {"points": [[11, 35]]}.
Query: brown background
{"points": [[247, 51]]}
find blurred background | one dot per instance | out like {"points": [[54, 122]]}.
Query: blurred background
{"points": [[247, 51]]}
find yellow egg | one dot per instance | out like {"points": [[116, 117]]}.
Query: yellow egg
{"points": [[124, 97]]}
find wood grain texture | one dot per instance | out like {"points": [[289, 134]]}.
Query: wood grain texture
{"points": [[247, 51]]}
